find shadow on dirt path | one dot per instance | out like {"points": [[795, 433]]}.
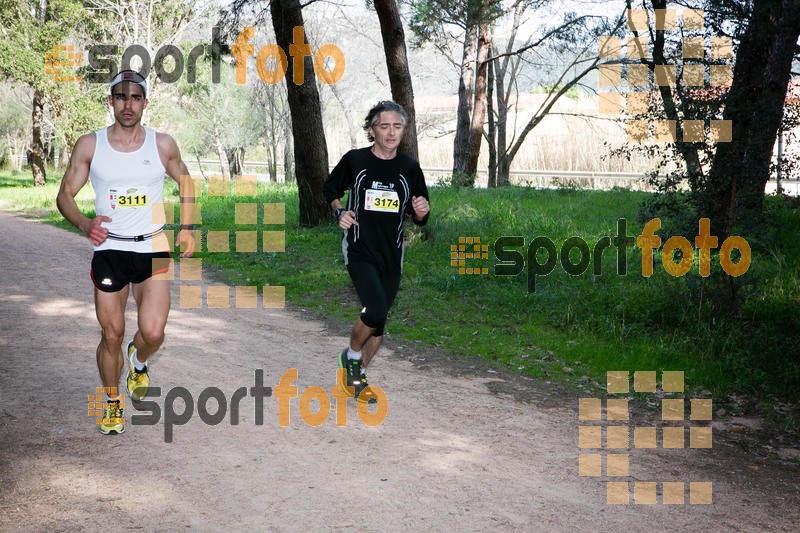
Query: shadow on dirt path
{"points": [[460, 449]]}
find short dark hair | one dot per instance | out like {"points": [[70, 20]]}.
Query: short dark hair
{"points": [[375, 113]]}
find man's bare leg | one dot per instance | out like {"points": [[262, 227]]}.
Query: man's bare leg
{"points": [[152, 300], [361, 340], [110, 311], [360, 335], [369, 349]]}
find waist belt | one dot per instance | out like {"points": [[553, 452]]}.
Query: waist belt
{"points": [[138, 238]]}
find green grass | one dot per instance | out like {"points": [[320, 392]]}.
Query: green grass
{"points": [[589, 324], [17, 193]]}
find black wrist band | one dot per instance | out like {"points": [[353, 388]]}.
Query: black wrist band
{"points": [[190, 227], [339, 212]]}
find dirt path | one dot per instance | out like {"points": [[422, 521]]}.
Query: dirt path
{"points": [[451, 455]]}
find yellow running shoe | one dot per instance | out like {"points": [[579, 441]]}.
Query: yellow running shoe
{"points": [[138, 380], [113, 418]]}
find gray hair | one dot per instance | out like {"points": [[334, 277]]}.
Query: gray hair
{"points": [[374, 115]]}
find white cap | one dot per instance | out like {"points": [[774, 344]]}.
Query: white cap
{"points": [[130, 75]]}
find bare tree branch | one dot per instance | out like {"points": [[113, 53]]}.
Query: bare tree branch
{"points": [[542, 38]]}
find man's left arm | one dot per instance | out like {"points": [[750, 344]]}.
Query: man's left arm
{"points": [[419, 200], [177, 170]]}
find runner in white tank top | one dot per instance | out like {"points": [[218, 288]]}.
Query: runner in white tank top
{"points": [[128, 187], [126, 164]]}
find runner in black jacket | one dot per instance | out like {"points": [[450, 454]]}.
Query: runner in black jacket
{"points": [[384, 186]]}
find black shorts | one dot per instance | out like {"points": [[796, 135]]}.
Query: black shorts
{"points": [[112, 270], [376, 290]]}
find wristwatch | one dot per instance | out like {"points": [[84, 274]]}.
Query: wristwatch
{"points": [[339, 212]]}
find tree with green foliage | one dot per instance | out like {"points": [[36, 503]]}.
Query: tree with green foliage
{"points": [[79, 110], [734, 189], [152, 26], [725, 180], [30, 29], [14, 127], [219, 118]]}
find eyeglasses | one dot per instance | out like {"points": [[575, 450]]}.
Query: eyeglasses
{"points": [[120, 97]]}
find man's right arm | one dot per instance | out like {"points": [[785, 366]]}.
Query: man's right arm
{"points": [[334, 188], [74, 179]]}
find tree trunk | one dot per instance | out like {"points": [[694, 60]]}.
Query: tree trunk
{"points": [[394, 46], [36, 157], [754, 106], [503, 91], [503, 178], [491, 136], [688, 151], [503, 169], [221, 156], [16, 149], [288, 153], [310, 150], [479, 108], [272, 134], [200, 166], [235, 158], [66, 153], [272, 164], [465, 95]]}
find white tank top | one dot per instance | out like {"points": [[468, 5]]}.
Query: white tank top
{"points": [[128, 187]]}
